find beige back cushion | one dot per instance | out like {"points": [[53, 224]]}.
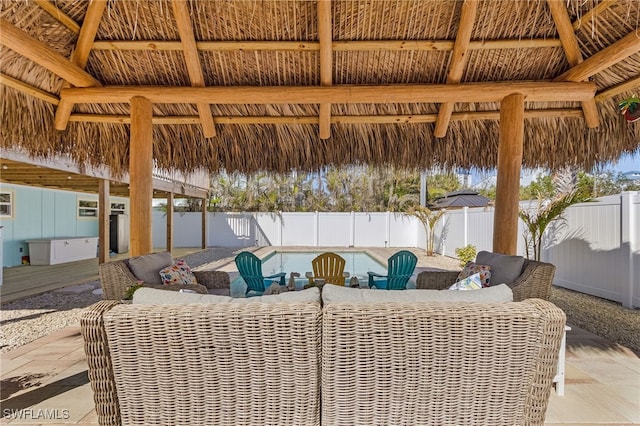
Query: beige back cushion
{"points": [[152, 296], [147, 268], [338, 294]]}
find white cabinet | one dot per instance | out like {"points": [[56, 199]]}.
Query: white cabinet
{"points": [[51, 251]]}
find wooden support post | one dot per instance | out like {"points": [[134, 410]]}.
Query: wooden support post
{"points": [[505, 223], [325, 37], [140, 173], [170, 221], [204, 223], [104, 208]]}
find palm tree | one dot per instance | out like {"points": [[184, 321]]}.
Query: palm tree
{"points": [[428, 218], [538, 220]]}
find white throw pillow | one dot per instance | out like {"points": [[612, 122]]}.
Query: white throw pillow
{"points": [[338, 294]]}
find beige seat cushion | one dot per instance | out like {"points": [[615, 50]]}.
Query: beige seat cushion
{"points": [[337, 294], [152, 296]]}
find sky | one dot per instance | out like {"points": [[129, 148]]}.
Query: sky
{"points": [[627, 163]]}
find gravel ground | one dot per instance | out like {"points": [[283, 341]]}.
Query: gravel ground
{"points": [[28, 319], [599, 316]]}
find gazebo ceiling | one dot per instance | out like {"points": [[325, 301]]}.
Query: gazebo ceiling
{"points": [[276, 85]]}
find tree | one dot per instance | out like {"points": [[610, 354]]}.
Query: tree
{"points": [[428, 218], [537, 221]]}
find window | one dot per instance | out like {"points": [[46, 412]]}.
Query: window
{"points": [[6, 205], [118, 208], [87, 208]]}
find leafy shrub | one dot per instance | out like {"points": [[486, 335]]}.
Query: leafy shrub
{"points": [[466, 253]]}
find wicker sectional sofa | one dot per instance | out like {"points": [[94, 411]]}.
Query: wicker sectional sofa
{"points": [[298, 361], [534, 281]]}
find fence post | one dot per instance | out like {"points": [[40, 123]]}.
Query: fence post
{"points": [[281, 228], [628, 244], [352, 236], [387, 233], [465, 230], [316, 226]]}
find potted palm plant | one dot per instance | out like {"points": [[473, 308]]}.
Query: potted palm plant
{"points": [[630, 108]]}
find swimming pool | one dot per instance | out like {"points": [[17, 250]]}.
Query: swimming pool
{"points": [[358, 263]]}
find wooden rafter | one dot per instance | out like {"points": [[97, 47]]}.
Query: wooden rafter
{"points": [[192, 59], [22, 43], [59, 15], [28, 89], [337, 45], [80, 55], [458, 61], [535, 91], [611, 55], [325, 39], [573, 54], [597, 9], [633, 83], [335, 119]]}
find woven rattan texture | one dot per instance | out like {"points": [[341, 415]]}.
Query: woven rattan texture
{"points": [[227, 364], [100, 370], [439, 364], [116, 276], [534, 282]]}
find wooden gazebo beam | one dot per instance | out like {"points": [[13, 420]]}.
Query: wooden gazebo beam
{"points": [[573, 54], [59, 15], [632, 83], [326, 63], [458, 61], [192, 59], [32, 48], [535, 91], [80, 55], [335, 119], [587, 17], [337, 45], [611, 55]]}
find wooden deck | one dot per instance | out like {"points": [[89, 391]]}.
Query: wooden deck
{"points": [[29, 280]]}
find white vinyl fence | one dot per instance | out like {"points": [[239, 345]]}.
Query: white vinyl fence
{"points": [[596, 250]]}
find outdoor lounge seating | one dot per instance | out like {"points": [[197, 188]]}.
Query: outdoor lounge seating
{"points": [[309, 365], [117, 276], [329, 267], [250, 269], [400, 267], [534, 281]]}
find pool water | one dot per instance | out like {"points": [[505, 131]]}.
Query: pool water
{"points": [[358, 263]]}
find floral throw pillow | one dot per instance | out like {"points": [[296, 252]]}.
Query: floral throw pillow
{"points": [[473, 268], [178, 273]]}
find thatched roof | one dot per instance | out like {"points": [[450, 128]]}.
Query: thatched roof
{"points": [[276, 43]]}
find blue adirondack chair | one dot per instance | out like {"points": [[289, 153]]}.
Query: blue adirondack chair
{"points": [[250, 269], [400, 266]]}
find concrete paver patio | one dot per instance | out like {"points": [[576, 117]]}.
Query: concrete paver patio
{"points": [[45, 383]]}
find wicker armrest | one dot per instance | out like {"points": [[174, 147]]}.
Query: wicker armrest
{"points": [[534, 282], [100, 368], [115, 277], [436, 280], [213, 279]]}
